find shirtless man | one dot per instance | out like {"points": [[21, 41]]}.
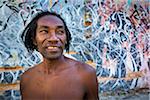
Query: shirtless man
{"points": [[57, 77]]}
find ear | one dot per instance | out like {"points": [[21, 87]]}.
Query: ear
{"points": [[34, 42], [65, 42]]}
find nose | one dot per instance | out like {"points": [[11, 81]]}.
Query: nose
{"points": [[53, 38]]}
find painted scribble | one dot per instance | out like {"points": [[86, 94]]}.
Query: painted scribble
{"points": [[111, 35]]}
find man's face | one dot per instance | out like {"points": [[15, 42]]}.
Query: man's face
{"points": [[50, 37]]}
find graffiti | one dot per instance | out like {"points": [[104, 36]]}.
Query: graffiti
{"points": [[110, 35]]}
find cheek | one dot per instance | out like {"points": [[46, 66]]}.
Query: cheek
{"points": [[64, 40], [39, 41], [39, 38]]}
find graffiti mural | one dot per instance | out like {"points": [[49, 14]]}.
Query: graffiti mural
{"points": [[111, 35]]}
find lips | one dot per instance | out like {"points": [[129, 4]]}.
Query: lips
{"points": [[52, 47]]}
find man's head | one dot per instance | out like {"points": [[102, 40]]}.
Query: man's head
{"points": [[48, 28]]}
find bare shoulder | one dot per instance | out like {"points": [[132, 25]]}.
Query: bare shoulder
{"points": [[25, 79], [89, 79], [27, 74], [83, 67], [29, 71]]}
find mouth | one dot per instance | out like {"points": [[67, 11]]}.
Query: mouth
{"points": [[52, 47]]}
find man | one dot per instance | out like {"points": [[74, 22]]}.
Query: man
{"points": [[57, 77]]}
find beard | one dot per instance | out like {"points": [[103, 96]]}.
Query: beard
{"points": [[52, 55]]}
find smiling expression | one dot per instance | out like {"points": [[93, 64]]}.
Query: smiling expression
{"points": [[50, 36]]}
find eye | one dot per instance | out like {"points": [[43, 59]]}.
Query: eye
{"points": [[60, 31], [43, 31]]}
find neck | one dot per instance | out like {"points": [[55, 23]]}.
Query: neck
{"points": [[52, 65]]}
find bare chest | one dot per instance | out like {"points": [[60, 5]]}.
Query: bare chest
{"points": [[67, 86]]}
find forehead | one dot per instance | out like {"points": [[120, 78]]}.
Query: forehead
{"points": [[50, 20]]}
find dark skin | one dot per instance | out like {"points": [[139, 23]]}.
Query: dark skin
{"points": [[57, 77]]}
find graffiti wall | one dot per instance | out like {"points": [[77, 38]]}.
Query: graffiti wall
{"points": [[112, 36]]}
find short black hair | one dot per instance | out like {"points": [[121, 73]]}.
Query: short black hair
{"points": [[29, 32]]}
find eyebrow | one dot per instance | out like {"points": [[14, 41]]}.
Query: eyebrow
{"points": [[60, 26], [42, 26]]}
